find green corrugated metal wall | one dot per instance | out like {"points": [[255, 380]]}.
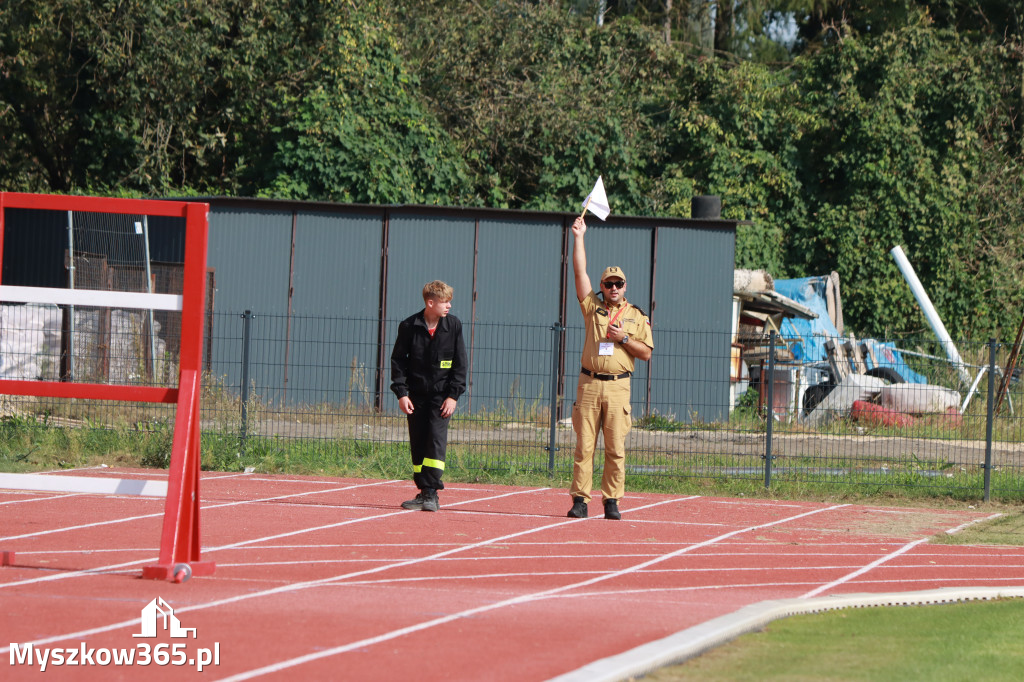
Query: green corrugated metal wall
{"points": [[306, 265]]}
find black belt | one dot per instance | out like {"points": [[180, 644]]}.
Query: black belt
{"points": [[604, 377]]}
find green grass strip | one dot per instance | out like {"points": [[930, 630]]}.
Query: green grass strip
{"points": [[965, 641]]}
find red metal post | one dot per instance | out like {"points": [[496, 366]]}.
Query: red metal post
{"points": [[180, 537], [179, 541]]}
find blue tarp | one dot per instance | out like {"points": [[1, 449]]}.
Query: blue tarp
{"points": [[810, 335]]}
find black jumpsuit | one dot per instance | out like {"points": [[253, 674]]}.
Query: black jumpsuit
{"points": [[428, 369]]}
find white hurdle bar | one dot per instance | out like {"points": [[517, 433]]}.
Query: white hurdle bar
{"points": [[91, 298], [55, 483]]}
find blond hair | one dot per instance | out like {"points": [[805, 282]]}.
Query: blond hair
{"points": [[437, 290]]}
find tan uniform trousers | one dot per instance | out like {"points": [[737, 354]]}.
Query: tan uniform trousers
{"points": [[601, 406]]}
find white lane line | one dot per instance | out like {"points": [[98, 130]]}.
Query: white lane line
{"points": [[951, 583], [279, 481], [874, 564], [996, 580], [63, 529], [43, 499], [646, 571], [875, 547], [957, 582], [683, 588], [216, 505], [578, 557], [747, 501], [1012, 551], [323, 581], [80, 551], [497, 557], [962, 526], [244, 543], [864, 569], [521, 599], [753, 557], [114, 567]]}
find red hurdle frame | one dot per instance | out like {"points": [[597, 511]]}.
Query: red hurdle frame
{"points": [[179, 539]]}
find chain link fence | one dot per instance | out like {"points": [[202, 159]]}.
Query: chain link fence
{"points": [[283, 384]]}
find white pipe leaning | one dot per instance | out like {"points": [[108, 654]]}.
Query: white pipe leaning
{"points": [[929, 312]]}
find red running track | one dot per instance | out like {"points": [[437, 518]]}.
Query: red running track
{"points": [[330, 579]]}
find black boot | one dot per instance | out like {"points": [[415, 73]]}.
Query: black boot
{"points": [[430, 502], [611, 510], [579, 508], [415, 503]]}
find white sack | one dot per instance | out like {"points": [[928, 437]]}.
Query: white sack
{"points": [[919, 398]]}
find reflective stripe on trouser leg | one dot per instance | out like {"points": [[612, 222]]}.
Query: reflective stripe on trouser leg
{"points": [[600, 406], [437, 464], [428, 441]]}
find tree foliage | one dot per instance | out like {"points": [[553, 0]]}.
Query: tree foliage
{"points": [[539, 101], [880, 123], [146, 96], [902, 136], [301, 97], [359, 133]]}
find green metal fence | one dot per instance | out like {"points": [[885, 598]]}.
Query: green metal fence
{"points": [[292, 383]]}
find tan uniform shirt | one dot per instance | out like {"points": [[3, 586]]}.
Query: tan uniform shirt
{"points": [[596, 318]]}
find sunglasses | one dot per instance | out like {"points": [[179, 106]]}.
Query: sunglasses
{"points": [[613, 285]]}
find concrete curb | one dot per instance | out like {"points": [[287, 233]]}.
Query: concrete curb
{"points": [[700, 638]]}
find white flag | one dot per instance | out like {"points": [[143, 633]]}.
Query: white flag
{"points": [[597, 201]]}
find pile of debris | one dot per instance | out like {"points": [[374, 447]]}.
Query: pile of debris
{"points": [[827, 375], [872, 401]]}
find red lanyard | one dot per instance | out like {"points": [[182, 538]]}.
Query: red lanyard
{"points": [[612, 322]]}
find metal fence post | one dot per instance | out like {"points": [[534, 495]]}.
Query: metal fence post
{"points": [[990, 416], [552, 434], [770, 400], [246, 342]]}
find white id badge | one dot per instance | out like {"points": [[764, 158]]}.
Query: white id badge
{"points": [[606, 348]]}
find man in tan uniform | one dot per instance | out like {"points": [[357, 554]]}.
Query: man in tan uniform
{"points": [[617, 333]]}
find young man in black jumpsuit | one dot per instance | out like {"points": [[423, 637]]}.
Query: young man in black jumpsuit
{"points": [[428, 374]]}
